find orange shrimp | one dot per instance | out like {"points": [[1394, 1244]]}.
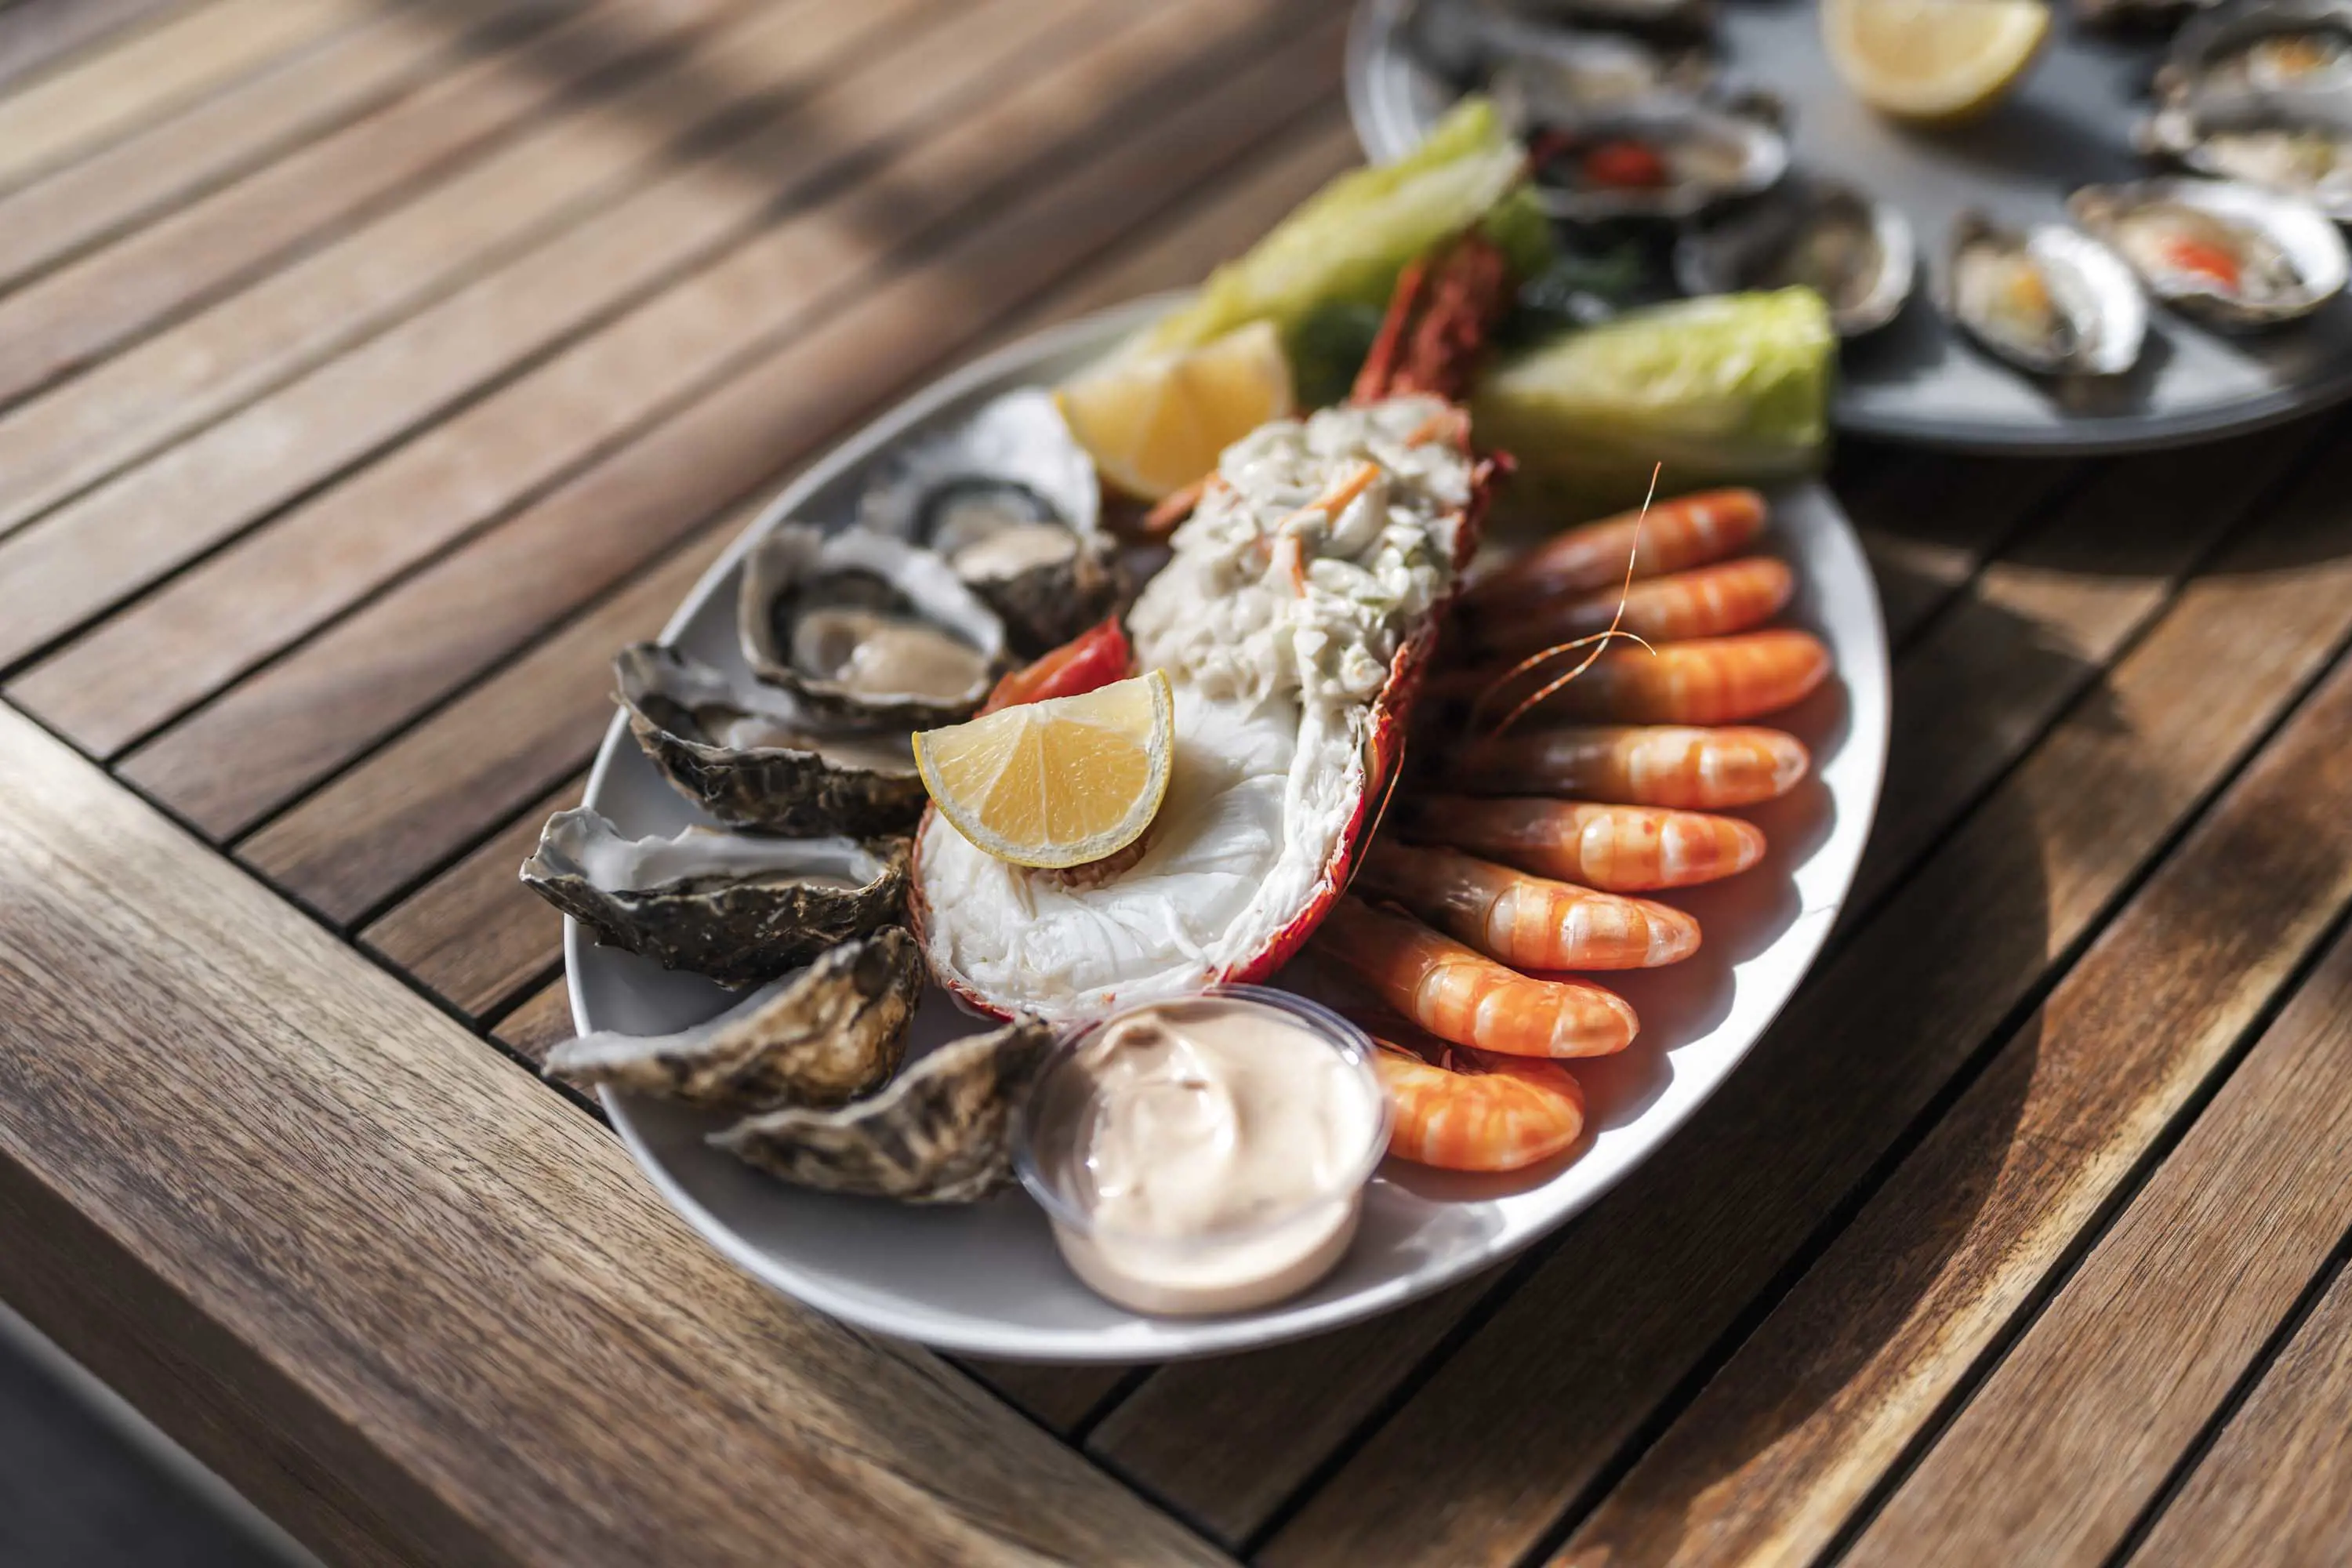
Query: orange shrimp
{"points": [[1689, 531], [1711, 681], [1704, 601], [1466, 999], [1675, 766], [1461, 1110], [1621, 848], [1528, 922]]}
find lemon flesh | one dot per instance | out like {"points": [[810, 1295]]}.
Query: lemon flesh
{"points": [[1933, 60], [1057, 782], [1155, 422]]}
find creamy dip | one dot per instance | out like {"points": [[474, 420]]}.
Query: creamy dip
{"points": [[1215, 1150]]}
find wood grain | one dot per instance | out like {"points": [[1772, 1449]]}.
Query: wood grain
{"points": [[2281, 1472], [540, 1024], [1510, 1429], [401, 1295], [1057, 1398], [296, 572], [475, 935], [1927, 520], [85, 103], [2069, 1438], [35, 34], [230, 134], [857, 356], [1823, 1399]]}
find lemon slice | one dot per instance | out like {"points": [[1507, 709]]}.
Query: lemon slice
{"points": [[1154, 423], [1932, 59], [1057, 782]]}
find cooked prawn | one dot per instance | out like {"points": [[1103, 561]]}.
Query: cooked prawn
{"points": [[1675, 766], [1620, 848], [1704, 601], [1460, 1110], [1526, 922], [1466, 999], [1689, 531], [1711, 681]]}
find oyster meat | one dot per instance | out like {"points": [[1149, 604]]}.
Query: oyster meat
{"points": [[1855, 253], [1011, 502], [867, 630], [738, 907], [2231, 254], [1653, 160], [941, 1135], [1568, 70], [2266, 47], [2297, 143], [2051, 300], [821, 1037], [748, 754]]}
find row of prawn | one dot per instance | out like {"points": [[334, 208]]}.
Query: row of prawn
{"points": [[1472, 913]]}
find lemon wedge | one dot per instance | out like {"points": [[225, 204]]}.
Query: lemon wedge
{"points": [[1057, 782], [1933, 60], [1154, 423]]}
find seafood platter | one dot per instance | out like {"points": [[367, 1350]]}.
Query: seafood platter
{"points": [[1040, 907], [2137, 241]]}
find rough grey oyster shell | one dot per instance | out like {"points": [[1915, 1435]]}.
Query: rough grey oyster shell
{"points": [[820, 1036], [941, 1135], [1012, 502], [2266, 46], [747, 754], [739, 908], [2296, 143], [866, 629], [1710, 154], [1857, 253], [2085, 317], [2289, 259]]}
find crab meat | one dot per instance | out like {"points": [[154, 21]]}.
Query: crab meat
{"points": [[1292, 622]]}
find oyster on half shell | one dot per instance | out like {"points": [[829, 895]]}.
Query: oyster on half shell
{"points": [[1856, 253], [866, 629], [750, 756], [2232, 254], [2297, 143], [821, 1037], [942, 1133], [2265, 46], [1012, 502], [2051, 300], [738, 907], [1659, 159]]}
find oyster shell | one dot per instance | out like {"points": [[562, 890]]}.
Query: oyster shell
{"points": [[1657, 159], [821, 1037], [747, 754], [1012, 502], [941, 1135], [1571, 68], [2232, 254], [2051, 299], [2297, 143], [738, 907], [2292, 45], [1683, 18], [867, 630], [1856, 253]]}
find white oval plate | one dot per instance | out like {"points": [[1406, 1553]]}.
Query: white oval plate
{"points": [[985, 1280]]}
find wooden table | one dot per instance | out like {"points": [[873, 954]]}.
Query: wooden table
{"points": [[370, 369]]}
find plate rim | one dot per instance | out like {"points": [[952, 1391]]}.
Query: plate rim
{"points": [[1189, 1338]]}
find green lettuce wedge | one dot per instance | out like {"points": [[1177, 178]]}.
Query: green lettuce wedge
{"points": [[1345, 246], [1733, 389]]}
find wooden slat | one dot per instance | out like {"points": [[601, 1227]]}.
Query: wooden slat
{"points": [[1517, 1422], [1929, 519], [1821, 1402], [407, 1301], [2281, 1473], [2069, 1438], [231, 134], [35, 34], [88, 102], [379, 827], [297, 572], [474, 935], [854, 357], [539, 1025], [348, 287], [1059, 1397]]}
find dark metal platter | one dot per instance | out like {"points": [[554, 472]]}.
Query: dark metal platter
{"points": [[2068, 124]]}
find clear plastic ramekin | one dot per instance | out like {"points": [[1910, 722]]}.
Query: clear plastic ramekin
{"points": [[1275, 1255]]}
